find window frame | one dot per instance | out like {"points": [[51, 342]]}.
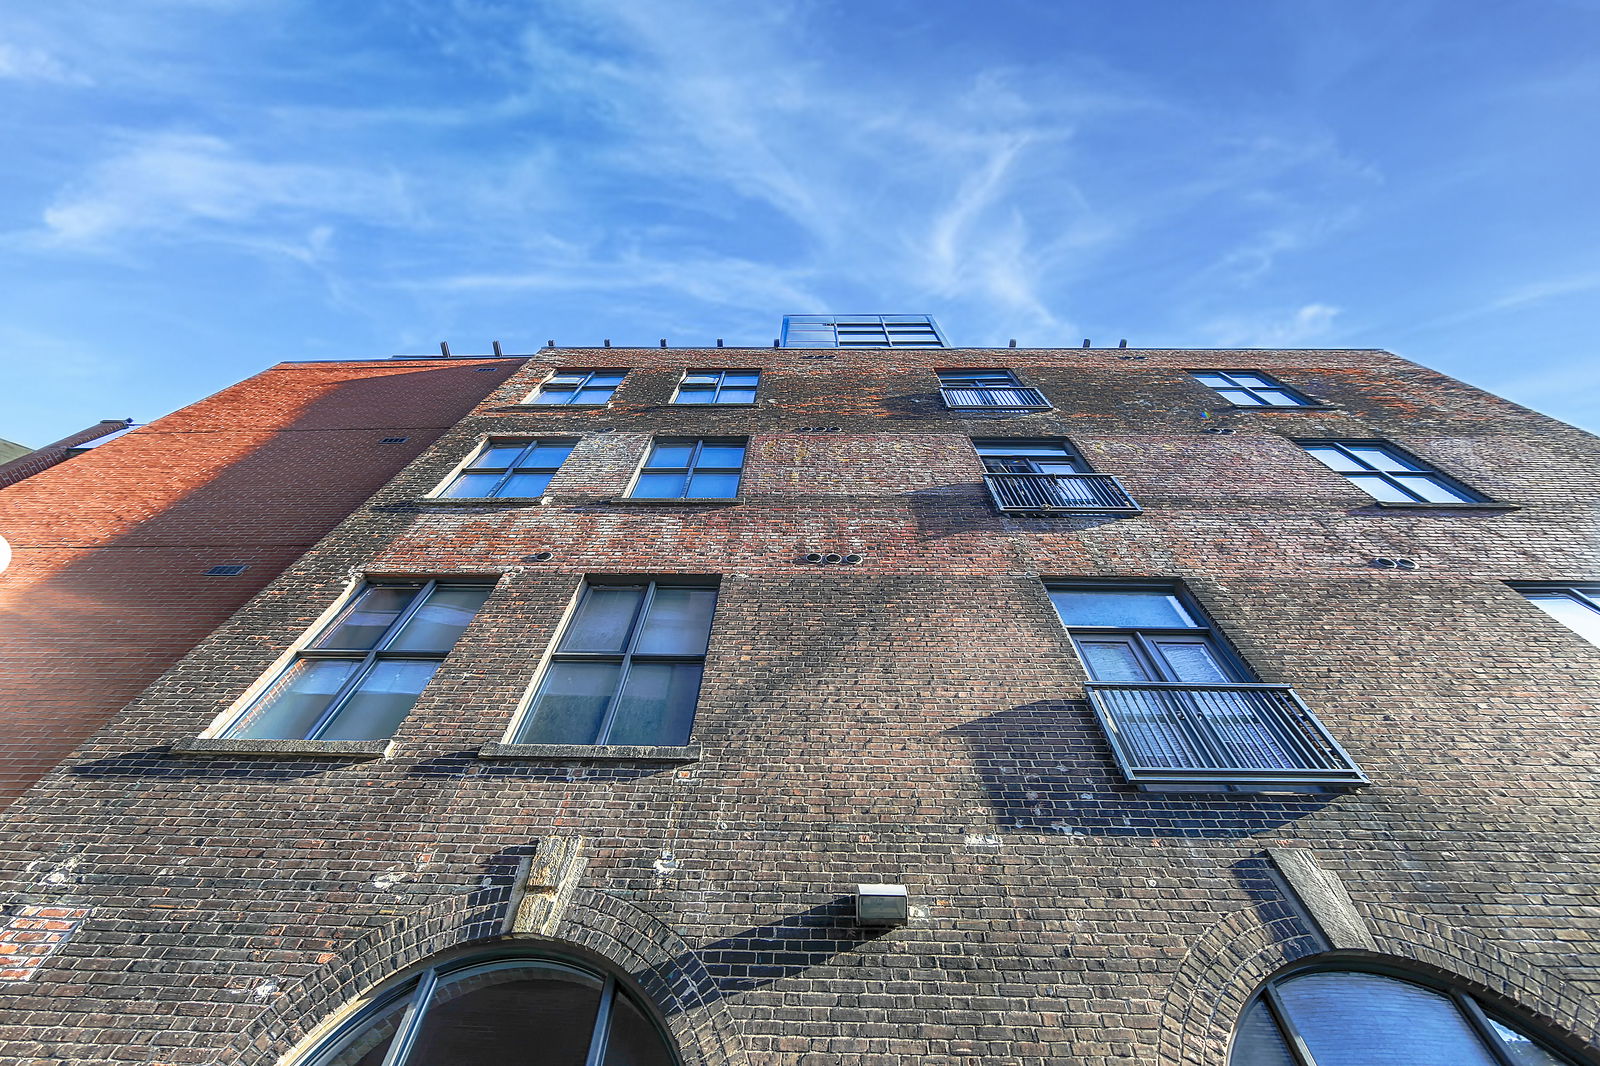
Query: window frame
{"points": [[1476, 1014], [418, 982], [524, 717], [1300, 398], [857, 325], [1010, 384], [1071, 454], [1467, 496], [490, 443], [532, 399], [698, 445], [1585, 593], [1149, 654], [716, 393], [366, 660]]}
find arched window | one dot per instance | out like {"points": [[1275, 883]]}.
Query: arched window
{"points": [[1328, 1017], [500, 1012]]}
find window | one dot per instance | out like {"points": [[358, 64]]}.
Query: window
{"points": [[359, 678], [718, 386], [515, 468], [626, 669], [1329, 1017], [578, 387], [495, 1010], [1575, 606], [1047, 475], [1250, 388], [1178, 707], [861, 331], [1388, 474], [691, 470], [988, 388]]}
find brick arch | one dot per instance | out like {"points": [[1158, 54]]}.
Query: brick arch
{"points": [[617, 934], [1229, 963]]}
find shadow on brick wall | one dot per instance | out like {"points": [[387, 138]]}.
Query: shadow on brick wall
{"points": [[1045, 767]]}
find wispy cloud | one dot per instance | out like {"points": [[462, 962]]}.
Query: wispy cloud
{"points": [[24, 63], [180, 184], [1305, 326]]}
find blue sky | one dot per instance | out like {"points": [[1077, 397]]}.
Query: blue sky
{"points": [[195, 189]]}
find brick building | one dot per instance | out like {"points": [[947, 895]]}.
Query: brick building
{"points": [[1205, 707]]}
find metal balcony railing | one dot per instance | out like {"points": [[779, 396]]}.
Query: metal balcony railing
{"points": [[1167, 733], [1013, 398], [1062, 493]]}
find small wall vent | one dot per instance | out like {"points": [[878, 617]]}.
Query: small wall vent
{"points": [[394, 440], [232, 570]]}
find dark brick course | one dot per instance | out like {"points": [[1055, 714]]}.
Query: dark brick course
{"points": [[917, 718]]}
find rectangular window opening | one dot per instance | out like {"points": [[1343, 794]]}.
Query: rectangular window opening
{"points": [[718, 387], [1389, 474], [988, 389], [691, 469], [1575, 606], [577, 388], [1179, 709], [509, 468], [1041, 476], [1251, 388], [360, 675], [626, 668]]}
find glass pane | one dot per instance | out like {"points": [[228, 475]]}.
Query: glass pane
{"points": [[1358, 1019], [1240, 397], [723, 455], [713, 486], [670, 455], [1523, 1051], [565, 378], [1212, 379], [500, 455], [1125, 609], [1281, 398], [679, 622], [1430, 489], [1192, 660], [749, 379], [1576, 615], [438, 622], [657, 705], [593, 395], [633, 1040], [1113, 660], [1382, 458], [701, 378], [548, 455], [571, 704], [687, 395], [659, 487], [737, 396], [368, 1043], [1334, 458], [525, 486], [295, 703], [1380, 489], [609, 379], [474, 486], [509, 1015], [603, 619], [380, 702], [365, 620], [1022, 447], [1259, 1041], [549, 395]]}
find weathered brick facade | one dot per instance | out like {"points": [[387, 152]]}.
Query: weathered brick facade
{"points": [[108, 585], [914, 718]]}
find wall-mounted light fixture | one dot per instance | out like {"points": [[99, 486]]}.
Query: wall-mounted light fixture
{"points": [[882, 906]]}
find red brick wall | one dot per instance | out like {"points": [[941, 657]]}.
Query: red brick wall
{"points": [[107, 586]]}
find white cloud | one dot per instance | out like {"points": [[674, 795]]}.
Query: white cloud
{"points": [[178, 184], [21, 63], [1296, 329]]}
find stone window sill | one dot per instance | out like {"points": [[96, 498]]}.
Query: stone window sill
{"points": [[1464, 505], [483, 501], [670, 406], [645, 501], [596, 752], [320, 749]]}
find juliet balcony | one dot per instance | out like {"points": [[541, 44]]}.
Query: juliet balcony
{"points": [[1072, 493], [1182, 736], [993, 398]]}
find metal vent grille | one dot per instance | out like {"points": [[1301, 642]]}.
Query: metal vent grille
{"points": [[232, 570], [394, 440]]}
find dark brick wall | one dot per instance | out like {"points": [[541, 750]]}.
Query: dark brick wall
{"points": [[107, 586], [916, 718]]}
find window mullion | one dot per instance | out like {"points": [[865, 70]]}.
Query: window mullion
{"points": [[627, 663], [601, 1033], [360, 673], [405, 616], [1480, 1024], [1297, 1044], [405, 1034]]}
